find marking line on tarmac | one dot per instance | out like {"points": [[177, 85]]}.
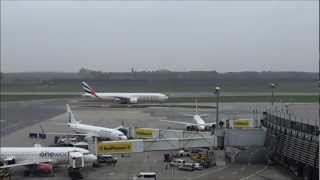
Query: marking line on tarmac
{"points": [[203, 174], [255, 173]]}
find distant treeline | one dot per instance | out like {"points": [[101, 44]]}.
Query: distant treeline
{"points": [[162, 80]]}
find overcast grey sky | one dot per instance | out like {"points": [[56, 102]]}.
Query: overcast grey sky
{"points": [[150, 35]]}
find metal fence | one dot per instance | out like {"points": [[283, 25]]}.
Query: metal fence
{"points": [[290, 138]]}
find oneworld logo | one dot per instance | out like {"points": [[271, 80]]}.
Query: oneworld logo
{"points": [[52, 154]]}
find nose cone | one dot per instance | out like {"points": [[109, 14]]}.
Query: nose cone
{"points": [[202, 128], [123, 138], [164, 97]]}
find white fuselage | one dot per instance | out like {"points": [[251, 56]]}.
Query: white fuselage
{"points": [[97, 131], [131, 97], [54, 155], [200, 122]]}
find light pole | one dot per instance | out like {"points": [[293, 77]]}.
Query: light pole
{"points": [[318, 122], [217, 92], [272, 85]]}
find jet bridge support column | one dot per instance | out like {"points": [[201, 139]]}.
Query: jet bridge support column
{"points": [[219, 133], [92, 145]]}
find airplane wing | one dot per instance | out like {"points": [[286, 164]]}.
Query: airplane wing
{"points": [[119, 127], [66, 134], [23, 163], [210, 124], [191, 115], [124, 98], [185, 123], [72, 134], [179, 122], [121, 98], [187, 114], [204, 115]]}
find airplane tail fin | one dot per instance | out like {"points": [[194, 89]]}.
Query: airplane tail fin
{"points": [[88, 89], [71, 118], [196, 103], [197, 111]]}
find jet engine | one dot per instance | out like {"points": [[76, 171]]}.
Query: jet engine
{"points": [[133, 100], [10, 160], [190, 127]]}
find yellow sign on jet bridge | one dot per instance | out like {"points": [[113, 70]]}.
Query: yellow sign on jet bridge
{"points": [[115, 147], [242, 123], [144, 133]]}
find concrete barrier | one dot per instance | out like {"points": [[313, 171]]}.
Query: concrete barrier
{"points": [[219, 156]]}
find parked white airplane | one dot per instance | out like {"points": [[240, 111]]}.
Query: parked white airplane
{"points": [[92, 131], [199, 124], [123, 98], [42, 158]]}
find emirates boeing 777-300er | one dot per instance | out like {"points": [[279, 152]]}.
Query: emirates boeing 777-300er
{"points": [[123, 98]]}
